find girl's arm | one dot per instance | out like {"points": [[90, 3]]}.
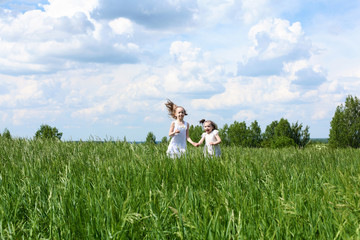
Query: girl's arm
{"points": [[188, 138], [171, 130], [201, 141], [218, 140]]}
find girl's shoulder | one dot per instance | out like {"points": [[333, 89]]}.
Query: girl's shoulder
{"points": [[215, 132]]}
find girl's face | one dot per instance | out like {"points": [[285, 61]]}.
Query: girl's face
{"points": [[208, 127], [180, 113]]}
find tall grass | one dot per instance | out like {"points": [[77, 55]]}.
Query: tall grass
{"points": [[119, 190]]}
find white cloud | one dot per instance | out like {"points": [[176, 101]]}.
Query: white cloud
{"points": [[39, 42], [212, 12], [251, 92], [275, 42], [149, 13], [184, 51], [21, 116], [255, 9], [68, 8], [274, 38], [247, 115], [21, 92], [121, 26]]}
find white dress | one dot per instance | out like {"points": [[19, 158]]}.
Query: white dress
{"points": [[211, 149], [177, 145]]}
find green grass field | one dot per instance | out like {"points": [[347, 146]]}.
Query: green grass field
{"points": [[117, 190]]}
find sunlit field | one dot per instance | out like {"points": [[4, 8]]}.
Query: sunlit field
{"points": [[119, 190]]}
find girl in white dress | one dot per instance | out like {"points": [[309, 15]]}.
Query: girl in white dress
{"points": [[211, 137], [179, 130]]}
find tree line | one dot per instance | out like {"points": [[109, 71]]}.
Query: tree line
{"points": [[278, 134], [45, 132], [344, 131]]}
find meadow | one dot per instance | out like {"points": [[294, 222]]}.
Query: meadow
{"points": [[120, 190]]}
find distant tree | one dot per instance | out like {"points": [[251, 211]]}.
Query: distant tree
{"points": [[305, 137], [150, 138], [238, 134], [48, 132], [269, 134], [6, 134], [282, 141], [164, 140], [195, 132], [300, 137], [283, 129], [224, 135], [254, 135], [281, 134], [345, 125]]}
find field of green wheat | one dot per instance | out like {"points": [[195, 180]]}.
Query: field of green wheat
{"points": [[119, 190]]}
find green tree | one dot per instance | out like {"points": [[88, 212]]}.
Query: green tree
{"points": [[283, 135], [282, 141], [224, 135], [48, 132], [238, 134], [164, 140], [283, 129], [268, 135], [150, 138], [305, 137], [6, 134], [195, 132], [345, 125], [254, 132], [300, 137]]}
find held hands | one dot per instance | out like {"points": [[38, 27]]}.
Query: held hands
{"points": [[195, 144]]}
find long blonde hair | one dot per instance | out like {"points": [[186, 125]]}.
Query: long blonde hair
{"points": [[171, 107]]}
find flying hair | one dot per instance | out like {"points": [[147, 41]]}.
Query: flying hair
{"points": [[171, 107], [214, 125]]}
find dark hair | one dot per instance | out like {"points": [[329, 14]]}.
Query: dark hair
{"points": [[203, 121], [171, 107]]}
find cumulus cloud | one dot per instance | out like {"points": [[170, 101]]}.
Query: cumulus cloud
{"points": [[305, 76], [21, 92], [61, 37], [149, 13], [247, 115], [68, 8], [250, 92], [184, 51], [191, 72], [121, 26], [275, 42], [21, 116], [277, 73], [255, 9], [21, 6]]}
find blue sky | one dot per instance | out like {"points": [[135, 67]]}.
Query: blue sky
{"points": [[104, 69]]}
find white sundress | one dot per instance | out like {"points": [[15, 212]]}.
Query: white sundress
{"points": [[177, 146], [211, 149]]}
